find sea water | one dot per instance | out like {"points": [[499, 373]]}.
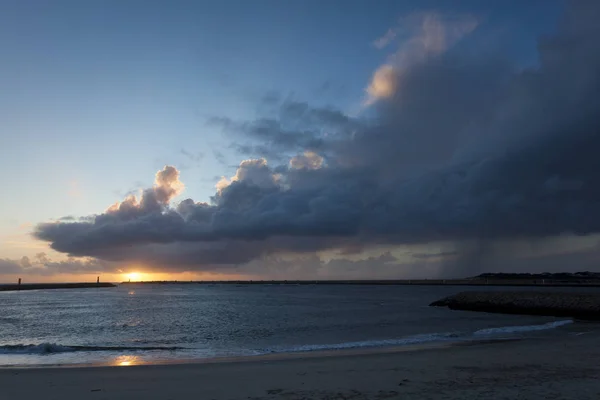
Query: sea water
{"points": [[143, 323]]}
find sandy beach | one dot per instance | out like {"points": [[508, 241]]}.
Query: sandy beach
{"points": [[547, 367]]}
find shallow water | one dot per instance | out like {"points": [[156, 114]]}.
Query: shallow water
{"points": [[134, 324]]}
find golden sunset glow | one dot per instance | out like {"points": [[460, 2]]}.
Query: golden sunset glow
{"points": [[126, 361], [133, 276], [137, 276]]}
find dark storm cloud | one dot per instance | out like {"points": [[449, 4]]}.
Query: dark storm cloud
{"points": [[427, 256], [464, 150], [291, 127], [271, 133], [310, 266]]}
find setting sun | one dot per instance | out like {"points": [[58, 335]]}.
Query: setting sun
{"points": [[133, 276]]}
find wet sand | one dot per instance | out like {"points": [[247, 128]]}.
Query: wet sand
{"points": [[561, 366]]}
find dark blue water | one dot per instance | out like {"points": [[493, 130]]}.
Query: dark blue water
{"points": [[148, 323]]}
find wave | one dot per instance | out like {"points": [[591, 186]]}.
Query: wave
{"points": [[426, 338], [51, 348], [523, 328], [417, 339]]}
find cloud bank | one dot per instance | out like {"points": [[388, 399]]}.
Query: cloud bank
{"points": [[42, 265], [456, 149]]}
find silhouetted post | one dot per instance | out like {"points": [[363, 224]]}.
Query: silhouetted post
{"points": [[97, 280], [19, 284]]}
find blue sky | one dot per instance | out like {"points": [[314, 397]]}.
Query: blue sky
{"points": [[96, 96]]}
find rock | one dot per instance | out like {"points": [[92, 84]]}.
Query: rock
{"points": [[575, 305]]}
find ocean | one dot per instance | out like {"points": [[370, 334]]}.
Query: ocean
{"points": [[135, 324]]}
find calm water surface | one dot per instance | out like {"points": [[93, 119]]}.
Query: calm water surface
{"points": [[146, 323]]}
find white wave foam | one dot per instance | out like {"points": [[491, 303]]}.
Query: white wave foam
{"points": [[424, 338], [417, 339], [522, 328], [50, 348]]}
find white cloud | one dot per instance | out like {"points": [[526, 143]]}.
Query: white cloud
{"points": [[255, 171], [386, 39]]}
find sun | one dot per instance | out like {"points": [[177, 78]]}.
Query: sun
{"points": [[133, 276]]}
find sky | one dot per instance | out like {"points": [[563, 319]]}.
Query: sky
{"points": [[301, 140]]}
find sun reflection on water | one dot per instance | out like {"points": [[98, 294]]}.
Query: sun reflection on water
{"points": [[126, 361]]}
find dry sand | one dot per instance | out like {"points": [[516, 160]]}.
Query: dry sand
{"points": [[549, 367]]}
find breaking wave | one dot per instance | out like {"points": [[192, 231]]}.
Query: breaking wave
{"points": [[426, 338], [523, 328], [417, 339], [52, 348]]}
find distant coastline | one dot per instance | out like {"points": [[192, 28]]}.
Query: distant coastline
{"points": [[588, 279], [579, 279]]}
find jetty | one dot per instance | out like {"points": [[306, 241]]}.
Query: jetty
{"points": [[40, 286], [550, 303]]}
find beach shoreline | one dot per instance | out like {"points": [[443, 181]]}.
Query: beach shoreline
{"points": [[548, 366], [133, 361]]}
